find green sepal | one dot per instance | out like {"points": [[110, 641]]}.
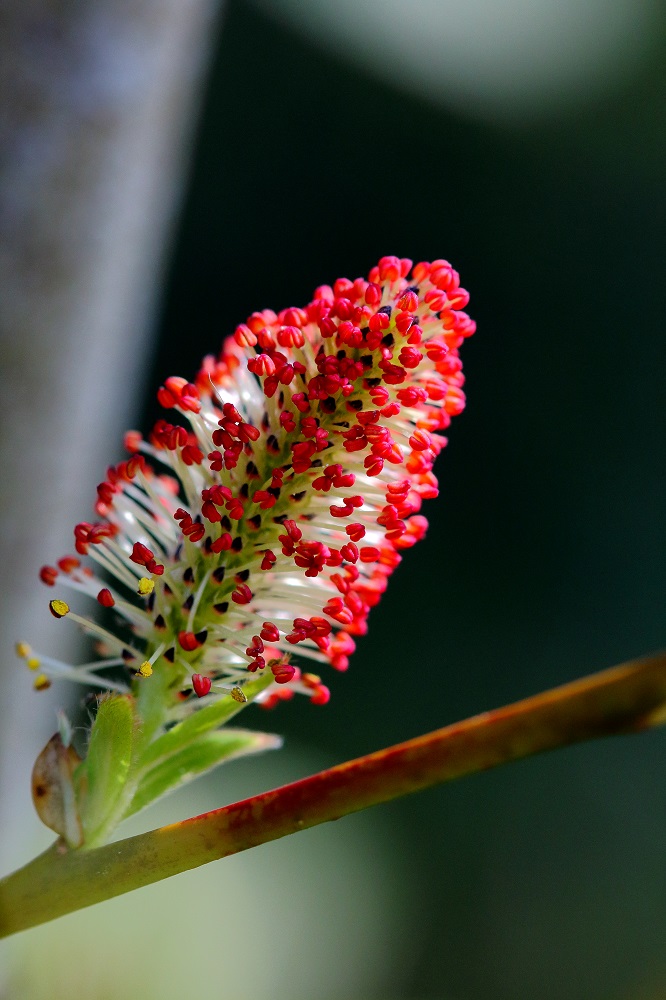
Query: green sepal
{"points": [[102, 778], [194, 759], [205, 719]]}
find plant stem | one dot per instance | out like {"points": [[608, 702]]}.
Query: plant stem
{"points": [[623, 699]]}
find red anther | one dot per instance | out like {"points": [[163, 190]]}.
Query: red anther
{"points": [[379, 395], [356, 531], [321, 626], [303, 452], [335, 609], [391, 410], [349, 552], [258, 320], [247, 433], [454, 401], [179, 392], [327, 327], [322, 483], [311, 556], [231, 413], [218, 494], [343, 287], [210, 512], [389, 269], [412, 396], [191, 455], [393, 374], [379, 322], [201, 685], [271, 383], [244, 337], [235, 509], [436, 350], [290, 336], [264, 499], [266, 340], [134, 465], [106, 493], [141, 554], [194, 532], [304, 625], [300, 402], [269, 559], [256, 647], [337, 511], [321, 439], [321, 695], [282, 672], [257, 664], [292, 530], [293, 316], [105, 598], [340, 582], [459, 299], [309, 426], [369, 554], [222, 544], [420, 441], [409, 301], [166, 399], [68, 563], [261, 365], [242, 594], [373, 294], [187, 641], [398, 489], [335, 558], [410, 357], [270, 632], [48, 575], [342, 308], [132, 441], [287, 421]]}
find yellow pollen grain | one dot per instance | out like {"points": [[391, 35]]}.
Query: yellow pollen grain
{"points": [[33, 662], [238, 695], [41, 682], [59, 608], [23, 650], [146, 669], [146, 586]]}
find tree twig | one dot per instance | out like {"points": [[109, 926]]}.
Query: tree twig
{"points": [[627, 698]]}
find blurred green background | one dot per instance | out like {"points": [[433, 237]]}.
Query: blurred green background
{"points": [[545, 555]]}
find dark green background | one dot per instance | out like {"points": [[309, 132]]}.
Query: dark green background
{"points": [[545, 556]]}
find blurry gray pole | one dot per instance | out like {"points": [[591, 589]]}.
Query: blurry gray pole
{"points": [[97, 102]]}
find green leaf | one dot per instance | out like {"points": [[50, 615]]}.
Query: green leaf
{"points": [[195, 759], [103, 776]]}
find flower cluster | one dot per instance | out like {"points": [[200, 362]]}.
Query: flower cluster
{"points": [[264, 517]]}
